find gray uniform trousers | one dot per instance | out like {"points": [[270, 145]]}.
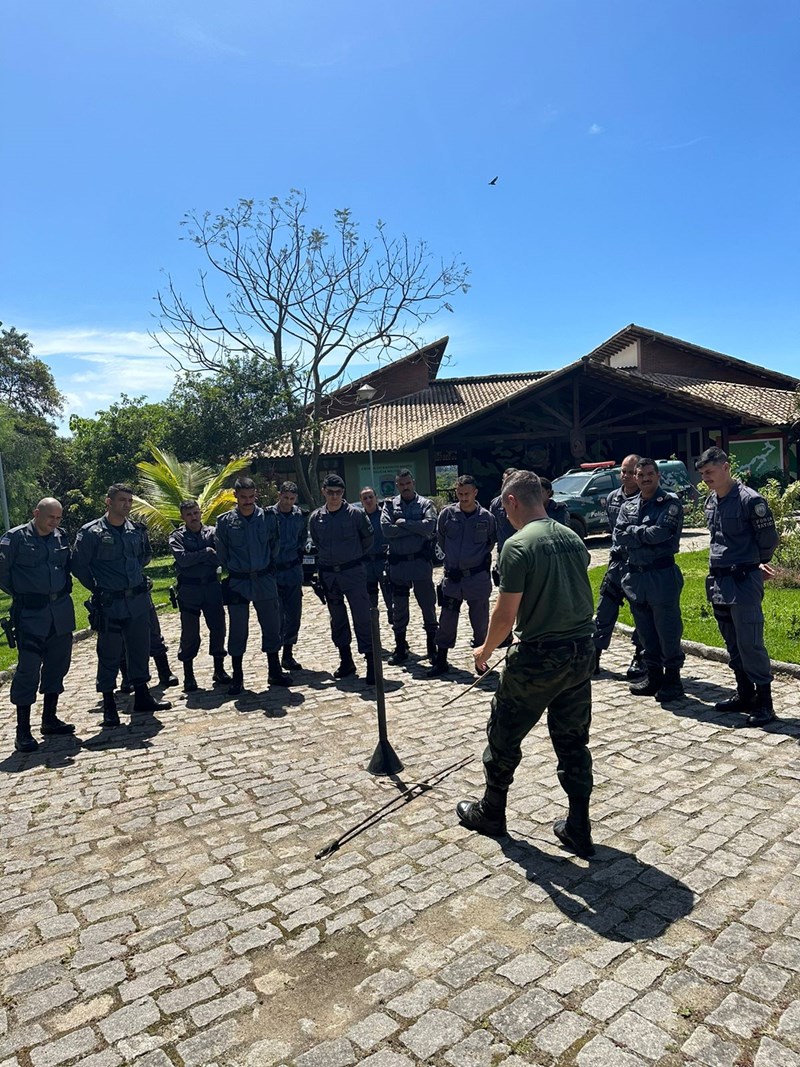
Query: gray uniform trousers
{"points": [[194, 601], [377, 578], [349, 585], [290, 603], [130, 634], [42, 661], [269, 619], [405, 575], [742, 624], [655, 602], [610, 601], [475, 590]]}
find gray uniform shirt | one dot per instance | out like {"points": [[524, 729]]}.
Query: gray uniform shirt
{"points": [[418, 527], [340, 536], [40, 565], [292, 530], [742, 532], [249, 544], [195, 553], [649, 530], [112, 559], [467, 539]]}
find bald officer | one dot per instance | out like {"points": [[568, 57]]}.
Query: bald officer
{"points": [[35, 571]]}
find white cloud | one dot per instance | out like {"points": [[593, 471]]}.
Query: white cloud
{"points": [[594, 129]]}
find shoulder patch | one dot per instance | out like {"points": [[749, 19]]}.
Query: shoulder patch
{"points": [[760, 509], [674, 509]]}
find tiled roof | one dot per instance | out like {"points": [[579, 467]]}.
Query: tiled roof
{"points": [[772, 407], [402, 423]]}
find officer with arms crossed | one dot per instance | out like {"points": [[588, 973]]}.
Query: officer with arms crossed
{"points": [[34, 570], [376, 557], [289, 569], [408, 522], [545, 595], [199, 593], [466, 533], [342, 536], [611, 594], [247, 539], [743, 539], [649, 529], [109, 558]]}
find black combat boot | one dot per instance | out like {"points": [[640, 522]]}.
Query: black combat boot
{"points": [[237, 679], [110, 714], [288, 661], [598, 652], [440, 664], [763, 712], [430, 642], [400, 654], [671, 687], [575, 831], [220, 675], [189, 681], [346, 666], [637, 667], [649, 686], [52, 726], [745, 698], [485, 816], [144, 700], [24, 740], [275, 675], [370, 677], [165, 675]]}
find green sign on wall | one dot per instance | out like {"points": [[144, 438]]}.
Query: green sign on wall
{"points": [[758, 454]]}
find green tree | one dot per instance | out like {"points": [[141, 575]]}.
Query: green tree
{"points": [[214, 417], [166, 482], [26, 383], [304, 303]]}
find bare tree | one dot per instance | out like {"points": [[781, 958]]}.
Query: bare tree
{"points": [[305, 302]]}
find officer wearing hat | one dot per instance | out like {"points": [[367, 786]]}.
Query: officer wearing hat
{"points": [[199, 593], [649, 530], [289, 569], [743, 540], [247, 541], [466, 533], [342, 535], [408, 522], [109, 558], [35, 571]]}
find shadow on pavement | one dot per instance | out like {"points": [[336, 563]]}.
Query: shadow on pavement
{"points": [[136, 734], [615, 895], [51, 753]]}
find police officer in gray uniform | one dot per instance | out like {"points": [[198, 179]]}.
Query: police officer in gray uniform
{"points": [[199, 593], [408, 522], [375, 560], [743, 540], [611, 594], [466, 532], [649, 529], [109, 558], [556, 509], [247, 539], [342, 536], [289, 569], [503, 527], [35, 571]]}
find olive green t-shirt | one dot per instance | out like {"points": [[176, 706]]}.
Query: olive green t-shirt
{"points": [[547, 563]]}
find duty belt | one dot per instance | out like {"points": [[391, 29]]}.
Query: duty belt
{"points": [[250, 574], [466, 572], [407, 558], [335, 568], [656, 565], [544, 646], [118, 594], [734, 569], [37, 600], [185, 580], [287, 566]]}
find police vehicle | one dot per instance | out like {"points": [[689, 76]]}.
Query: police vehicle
{"points": [[584, 490]]}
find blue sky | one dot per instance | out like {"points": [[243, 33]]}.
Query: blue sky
{"points": [[647, 155]]}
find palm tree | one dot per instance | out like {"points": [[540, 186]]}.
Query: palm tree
{"points": [[167, 481]]}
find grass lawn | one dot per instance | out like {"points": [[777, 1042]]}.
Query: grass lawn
{"points": [[160, 570], [781, 610]]}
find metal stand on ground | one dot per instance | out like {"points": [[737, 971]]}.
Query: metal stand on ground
{"points": [[384, 758]]}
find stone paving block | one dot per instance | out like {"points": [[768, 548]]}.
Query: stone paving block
{"points": [[210, 1044], [524, 1014], [435, 1030], [338, 1053], [66, 1048], [109, 1058], [184, 997], [130, 1020], [238, 1000], [740, 1015], [600, 1052], [772, 1054], [418, 999], [464, 968], [524, 969], [709, 1049], [478, 1000], [639, 1035], [371, 1031], [44, 1001], [765, 981], [387, 1058], [560, 1034], [479, 1049]]}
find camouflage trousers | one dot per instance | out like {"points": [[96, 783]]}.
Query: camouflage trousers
{"points": [[537, 678]]}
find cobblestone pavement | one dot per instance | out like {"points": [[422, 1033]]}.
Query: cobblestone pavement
{"points": [[161, 903]]}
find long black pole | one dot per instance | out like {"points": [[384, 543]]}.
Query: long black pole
{"points": [[384, 758]]}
